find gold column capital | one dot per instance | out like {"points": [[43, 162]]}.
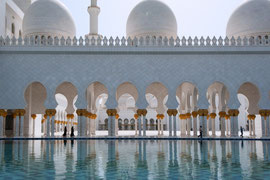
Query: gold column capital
{"points": [[188, 115], [233, 112], [81, 112], [264, 113], [19, 112], [222, 114], [160, 116], [194, 114], [93, 116], [141, 112], [136, 116], [111, 112], [70, 116], [251, 117], [34, 116], [50, 112], [183, 116], [3, 113], [203, 112], [172, 112], [213, 115]]}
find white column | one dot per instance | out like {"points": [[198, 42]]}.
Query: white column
{"points": [[250, 127], [89, 120], [48, 126], [162, 126], [109, 125], [170, 125], [93, 11], [203, 120], [1, 126], [234, 122], [174, 125], [17, 130], [183, 125], [22, 126], [44, 125], [84, 125], [227, 126], [222, 123], [208, 125], [79, 126], [158, 126], [231, 126], [263, 122], [195, 129], [4, 125], [140, 125], [213, 121], [267, 126], [116, 126], [112, 125], [223, 126], [33, 119], [253, 123], [188, 124], [52, 125], [136, 126], [144, 125]]}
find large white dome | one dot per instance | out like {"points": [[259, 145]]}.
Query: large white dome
{"points": [[250, 19], [49, 18], [151, 18]]}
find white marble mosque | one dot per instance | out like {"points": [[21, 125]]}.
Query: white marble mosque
{"points": [[151, 81]]}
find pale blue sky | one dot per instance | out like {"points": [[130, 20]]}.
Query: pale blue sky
{"points": [[194, 17]]}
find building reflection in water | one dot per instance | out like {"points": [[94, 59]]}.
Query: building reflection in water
{"points": [[173, 166], [141, 159], [111, 165]]}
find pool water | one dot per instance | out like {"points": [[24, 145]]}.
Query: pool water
{"points": [[134, 159]]}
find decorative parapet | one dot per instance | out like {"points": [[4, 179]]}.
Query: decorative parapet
{"points": [[136, 42]]}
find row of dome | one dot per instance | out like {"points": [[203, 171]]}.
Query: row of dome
{"points": [[148, 18]]}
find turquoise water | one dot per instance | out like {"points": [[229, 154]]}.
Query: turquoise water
{"points": [[134, 160]]}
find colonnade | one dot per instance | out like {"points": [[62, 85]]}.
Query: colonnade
{"points": [[188, 122]]}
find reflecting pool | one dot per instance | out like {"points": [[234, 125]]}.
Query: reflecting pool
{"points": [[135, 159]]}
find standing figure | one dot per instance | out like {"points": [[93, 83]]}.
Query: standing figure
{"points": [[72, 132], [65, 132], [241, 130]]}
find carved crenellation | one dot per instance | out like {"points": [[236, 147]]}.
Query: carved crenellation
{"points": [[135, 42]]}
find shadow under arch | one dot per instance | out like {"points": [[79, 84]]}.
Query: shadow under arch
{"points": [[160, 92], [252, 94], [35, 96], [187, 97], [218, 96]]}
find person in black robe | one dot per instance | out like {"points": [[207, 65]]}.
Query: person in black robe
{"points": [[65, 132], [72, 132]]}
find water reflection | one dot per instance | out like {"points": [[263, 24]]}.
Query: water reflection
{"points": [[141, 159]]}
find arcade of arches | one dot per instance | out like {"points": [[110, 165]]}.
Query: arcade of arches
{"points": [[156, 119]]}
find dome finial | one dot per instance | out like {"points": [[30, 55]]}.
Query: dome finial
{"points": [[93, 2]]}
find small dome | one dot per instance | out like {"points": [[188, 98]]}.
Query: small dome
{"points": [[151, 18], [250, 19], [48, 18]]}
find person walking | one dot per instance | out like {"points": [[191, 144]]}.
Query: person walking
{"points": [[242, 131]]}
